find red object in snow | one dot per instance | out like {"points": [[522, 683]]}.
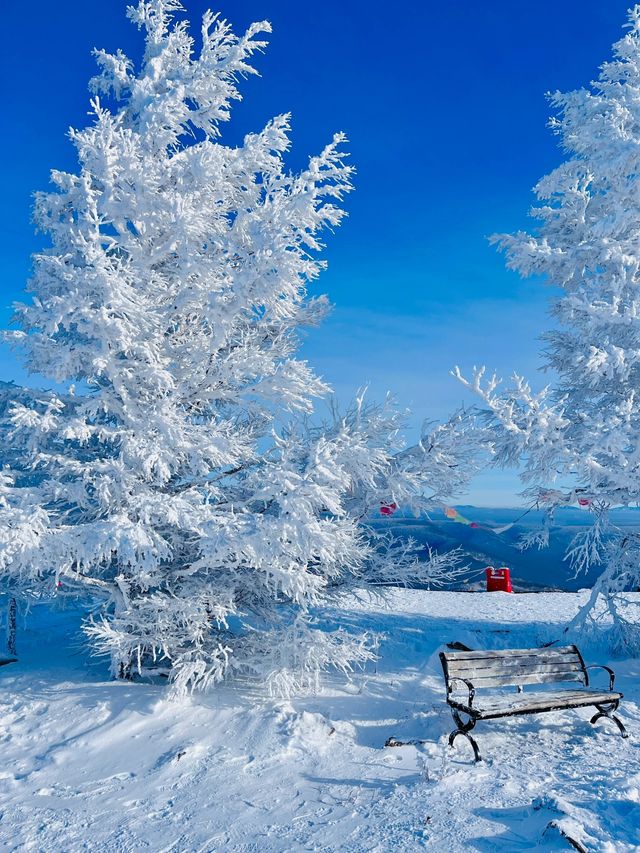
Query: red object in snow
{"points": [[498, 580], [388, 509]]}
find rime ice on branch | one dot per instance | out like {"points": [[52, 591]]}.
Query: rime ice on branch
{"points": [[182, 489], [586, 427]]}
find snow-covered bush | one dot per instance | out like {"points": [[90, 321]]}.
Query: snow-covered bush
{"points": [[584, 430], [183, 487]]}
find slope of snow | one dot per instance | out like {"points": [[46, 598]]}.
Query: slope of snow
{"points": [[90, 764]]}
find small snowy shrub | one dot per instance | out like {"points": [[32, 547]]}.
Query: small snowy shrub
{"points": [[182, 487]]}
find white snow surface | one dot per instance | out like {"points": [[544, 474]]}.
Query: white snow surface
{"points": [[93, 764]]}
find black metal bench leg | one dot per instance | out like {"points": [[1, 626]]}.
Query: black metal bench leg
{"points": [[471, 740], [608, 713], [464, 729]]}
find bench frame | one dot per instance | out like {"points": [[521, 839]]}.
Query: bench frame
{"points": [[458, 709]]}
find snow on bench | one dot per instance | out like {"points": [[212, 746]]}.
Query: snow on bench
{"points": [[467, 672]]}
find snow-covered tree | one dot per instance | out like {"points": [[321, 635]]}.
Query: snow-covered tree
{"points": [[183, 486], [584, 430]]}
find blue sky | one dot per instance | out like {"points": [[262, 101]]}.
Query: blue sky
{"points": [[444, 107]]}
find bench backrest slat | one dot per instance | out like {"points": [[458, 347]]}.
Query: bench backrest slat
{"points": [[505, 654], [515, 666], [477, 670], [524, 662], [527, 678]]}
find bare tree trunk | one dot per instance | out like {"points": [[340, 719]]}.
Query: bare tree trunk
{"points": [[11, 627]]}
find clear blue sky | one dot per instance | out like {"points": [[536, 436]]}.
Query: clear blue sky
{"points": [[444, 107]]}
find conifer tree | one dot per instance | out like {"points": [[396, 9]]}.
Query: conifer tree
{"points": [[580, 437], [183, 487]]}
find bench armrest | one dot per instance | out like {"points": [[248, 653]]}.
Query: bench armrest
{"points": [[612, 675], [470, 687]]}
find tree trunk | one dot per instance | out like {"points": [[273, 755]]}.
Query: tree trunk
{"points": [[11, 627]]}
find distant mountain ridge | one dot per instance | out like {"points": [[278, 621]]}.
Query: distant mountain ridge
{"points": [[533, 569]]}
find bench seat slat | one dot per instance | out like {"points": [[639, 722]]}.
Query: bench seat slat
{"points": [[491, 707]]}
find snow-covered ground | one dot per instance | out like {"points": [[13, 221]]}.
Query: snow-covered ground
{"points": [[90, 764]]}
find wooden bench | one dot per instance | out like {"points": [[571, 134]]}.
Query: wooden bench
{"points": [[469, 674]]}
